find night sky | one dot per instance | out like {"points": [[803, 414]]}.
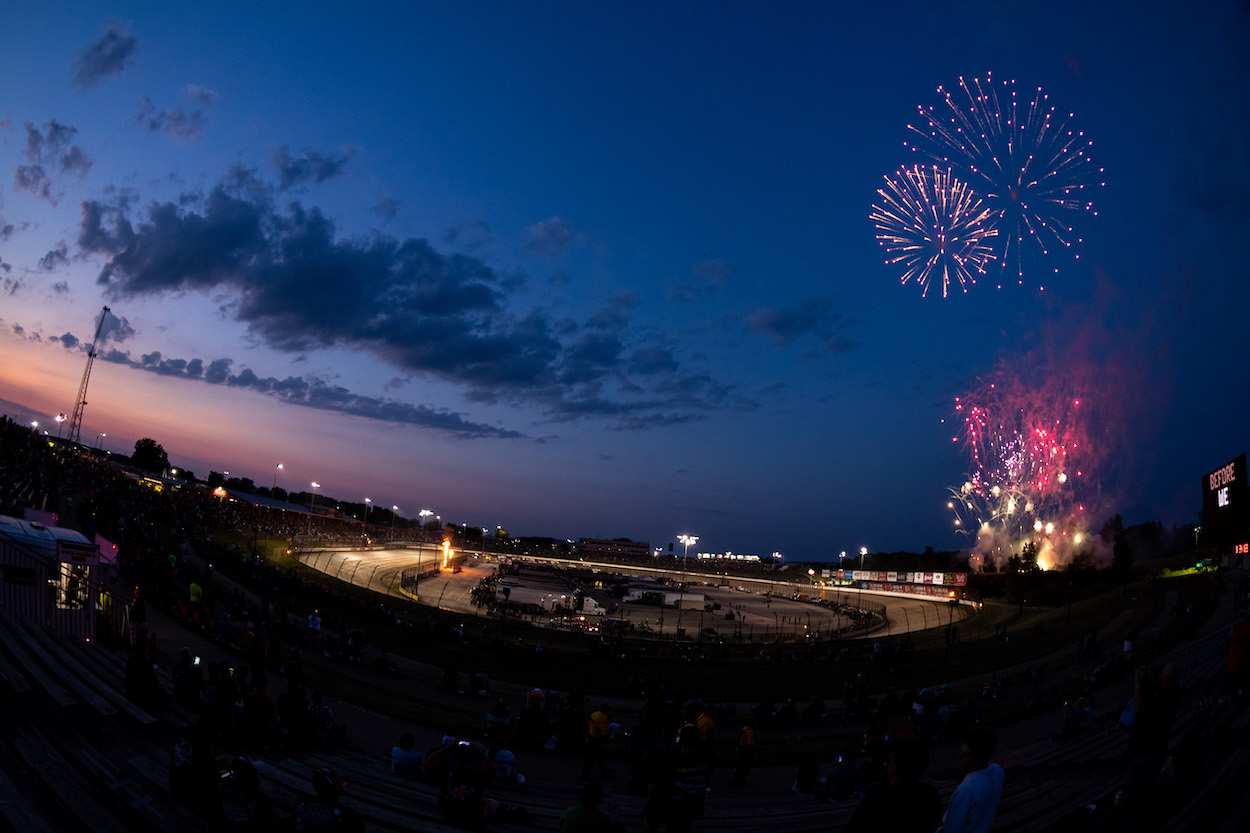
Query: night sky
{"points": [[607, 269]]}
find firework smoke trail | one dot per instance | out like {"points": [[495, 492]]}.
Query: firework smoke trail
{"points": [[933, 226], [1030, 452], [1019, 153]]}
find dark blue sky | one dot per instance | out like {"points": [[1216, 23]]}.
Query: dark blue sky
{"points": [[590, 269]]}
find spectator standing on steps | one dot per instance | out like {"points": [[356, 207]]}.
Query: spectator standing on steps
{"points": [[598, 732], [1238, 653], [1155, 703], [746, 752]]}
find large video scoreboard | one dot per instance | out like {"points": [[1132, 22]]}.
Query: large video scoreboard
{"points": [[1226, 507]]}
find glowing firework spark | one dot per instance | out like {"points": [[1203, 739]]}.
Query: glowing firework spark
{"points": [[933, 226], [1029, 450], [1017, 152]]}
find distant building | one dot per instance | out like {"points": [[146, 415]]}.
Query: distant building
{"points": [[731, 556], [593, 548]]}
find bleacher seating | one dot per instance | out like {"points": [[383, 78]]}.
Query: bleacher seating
{"points": [[74, 728]]}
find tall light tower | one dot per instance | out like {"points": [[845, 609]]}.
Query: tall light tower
{"points": [[312, 501], [686, 541], [863, 553], [75, 422]]}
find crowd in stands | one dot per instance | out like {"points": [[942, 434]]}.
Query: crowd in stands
{"points": [[671, 751]]}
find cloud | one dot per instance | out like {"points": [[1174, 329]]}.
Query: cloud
{"points": [[469, 236], [811, 318], [75, 161], [218, 371], [551, 237], [649, 361], [202, 94], [104, 229], [514, 281], [172, 121], [33, 180], [387, 208], [49, 150], [309, 393], [285, 273], [58, 256], [590, 357], [708, 277], [115, 329], [615, 314], [311, 167], [105, 57]]}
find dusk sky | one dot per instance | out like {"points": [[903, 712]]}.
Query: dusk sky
{"points": [[607, 269]]}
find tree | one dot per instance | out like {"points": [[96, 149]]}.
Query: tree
{"points": [[1028, 557], [149, 456], [1122, 557], [241, 484]]}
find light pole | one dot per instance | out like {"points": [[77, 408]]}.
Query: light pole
{"points": [[312, 501], [365, 528], [863, 552], [60, 418], [394, 515], [276, 469], [686, 541], [424, 515]]}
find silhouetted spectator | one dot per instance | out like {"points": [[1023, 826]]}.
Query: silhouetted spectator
{"points": [[241, 806], [324, 813], [678, 787], [598, 732], [975, 801], [585, 816], [1154, 707], [905, 805], [1238, 652], [406, 759], [745, 752]]}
